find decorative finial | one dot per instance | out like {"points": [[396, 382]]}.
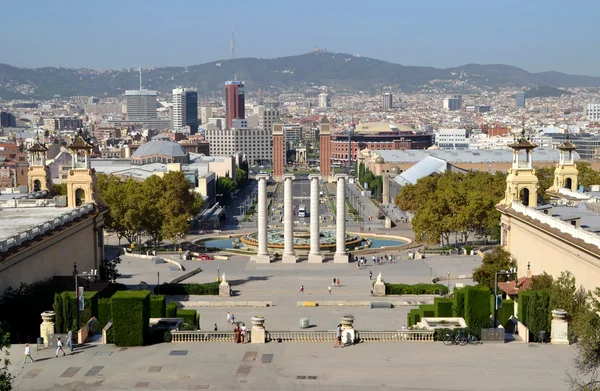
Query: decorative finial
{"points": [[528, 266]]}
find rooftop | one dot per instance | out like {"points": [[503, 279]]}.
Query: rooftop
{"points": [[464, 156], [160, 147]]}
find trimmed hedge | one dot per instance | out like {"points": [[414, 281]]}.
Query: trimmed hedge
{"points": [[189, 316], [504, 313], [415, 289], [523, 308], [477, 308], [211, 288], [130, 314], [65, 310], [158, 306], [427, 311], [442, 307], [458, 304], [440, 334], [171, 311], [110, 290], [538, 313], [104, 311], [413, 317]]}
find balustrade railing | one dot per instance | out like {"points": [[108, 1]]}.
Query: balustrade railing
{"points": [[205, 336], [300, 336], [396, 336]]}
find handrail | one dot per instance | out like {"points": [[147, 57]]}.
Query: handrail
{"points": [[205, 336]]}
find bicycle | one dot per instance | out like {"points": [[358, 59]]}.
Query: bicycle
{"points": [[472, 340], [459, 339]]}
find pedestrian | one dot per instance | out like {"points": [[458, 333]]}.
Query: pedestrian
{"points": [[338, 337], [27, 354], [236, 334], [370, 275], [334, 279], [232, 318], [301, 288], [59, 347], [329, 288], [70, 339], [338, 282], [228, 318], [243, 333], [216, 328]]}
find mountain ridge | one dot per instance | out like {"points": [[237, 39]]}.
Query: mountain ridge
{"points": [[339, 71]]}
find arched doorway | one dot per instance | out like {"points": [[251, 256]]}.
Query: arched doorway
{"points": [[79, 197], [37, 185], [524, 196], [569, 183]]}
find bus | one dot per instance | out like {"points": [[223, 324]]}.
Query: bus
{"points": [[302, 211]]}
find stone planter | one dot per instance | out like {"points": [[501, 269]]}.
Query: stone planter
{"points": [[47, 326], [347, 321], [559, 327], [258, 334], [258, 322]]}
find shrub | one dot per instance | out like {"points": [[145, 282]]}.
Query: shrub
{"points": [[523, 307], [413, 317], [458, 303], [504, 313], [104, 311], [189, 317], [211, 288], [427, 311], [158, 306], [171, 311], [538, 313], [110, 335], [415, 289], [65, 310], [477, 308], [440, 334], [442, 307], [130, 314], [110, 290]]}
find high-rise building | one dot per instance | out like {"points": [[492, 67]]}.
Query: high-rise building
{"points": [[267, 117], [7, 120], [454, 103], [191, 109], [592, 111], [386, 101], [141, 104], [206, 114], [324, 101], [234, 101], [520, 99], [178, 117]]}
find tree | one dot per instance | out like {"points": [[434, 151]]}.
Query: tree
{"points": [[496, 260], [545, 177], [241, 175], [152, 216], [179, 206], [225, 186], [587, 359], [5, 377], [587, 175], [59, 189], [542, 282], [565, 295], [108, 270]]}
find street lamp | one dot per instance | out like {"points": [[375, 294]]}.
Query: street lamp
{"points": [[448, 280], [512, 270], [158, 283], [79, 297], [430, 274]]}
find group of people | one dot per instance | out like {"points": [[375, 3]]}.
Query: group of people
{"points": [[59, 347], [377, 260], [239, 333]]}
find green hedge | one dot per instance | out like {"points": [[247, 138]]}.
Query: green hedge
{"points": [[440, 334], [477, 308], [458, 303], [442, 307], [65, 310], [171, 311], [189, 316], [427, 311], [130, 315], [211, 288], [110, 290], [415, 289], [522, 310], [110, 335], [504, 313], [158, 306], [413, 317], [104, 312], [538, 313]]}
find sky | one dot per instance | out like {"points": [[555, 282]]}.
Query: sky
{"points": [[536, 35]]}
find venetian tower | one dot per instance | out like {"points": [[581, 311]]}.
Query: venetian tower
{"points": [[521, 182], [565, 174], [81, 182], [38, 176]]}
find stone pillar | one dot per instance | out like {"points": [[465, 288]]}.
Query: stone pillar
{"points": [[257, 334], [559, 328], [47, 326], [341, 256], [289, 256], [224, 288], [314, 256], [262, 255], [348, 332], [385, 190]]}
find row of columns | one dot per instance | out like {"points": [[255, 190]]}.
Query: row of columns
{"points": [[289, 255]]}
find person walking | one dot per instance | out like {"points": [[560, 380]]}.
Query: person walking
{"points": [[301, 288], [232, 319], [334, 279], [27, 354], [216, 328], [370, 275], [338, 281], [228, 318], [329, 288], [70, 339], [59, 347], [243, 332], [338, 337]]}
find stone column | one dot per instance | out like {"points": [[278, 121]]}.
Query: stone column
{"points": [[341, 256], [559, 328], [262, 255], [385, 192], [257, 334], [314, 256], [47, 326], [289, 256]]}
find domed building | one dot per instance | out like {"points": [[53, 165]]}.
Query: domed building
{"points": [[160, 151]]}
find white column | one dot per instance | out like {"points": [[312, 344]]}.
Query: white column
{"points": [[340, 249], [288, 220], [262, 255], [314, 256]]}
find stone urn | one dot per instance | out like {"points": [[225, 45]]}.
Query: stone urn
{"points": [[559, 327], [47, 326], [559, 315], [347, 321], [48, 316], [258, 322]]}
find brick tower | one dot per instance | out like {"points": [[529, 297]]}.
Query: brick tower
{"points": [[325, 148]]}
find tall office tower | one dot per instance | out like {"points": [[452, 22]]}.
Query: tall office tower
{"points": [[267, 117], [141, 104], [234, 101], [324, 101], [178, 117], [191, 109], [454, 103], [520, 99], [207, 114], [592, 111], [386, 101]]}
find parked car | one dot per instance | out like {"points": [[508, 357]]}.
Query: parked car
{"points": [[206, 257]]}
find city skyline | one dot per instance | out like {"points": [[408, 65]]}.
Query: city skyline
{"points": [[526, 36]]}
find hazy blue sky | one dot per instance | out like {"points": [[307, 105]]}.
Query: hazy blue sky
{"points": [[536, 35]]}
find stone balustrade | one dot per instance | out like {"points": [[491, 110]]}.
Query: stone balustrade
{"points": [[397, 336], [205, 336], [300, 336]]}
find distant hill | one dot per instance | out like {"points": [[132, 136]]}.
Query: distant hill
{"points": [[546, 92], [343, 72]]}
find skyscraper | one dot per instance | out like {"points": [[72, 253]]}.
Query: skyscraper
{"points": [[191, 110], [520, 99], [386, 101], [234, 101], [141, 104], [454, 103], [324, 101], [178, 117]]}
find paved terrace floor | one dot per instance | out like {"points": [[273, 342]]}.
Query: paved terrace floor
{"points": [[364, 367]]}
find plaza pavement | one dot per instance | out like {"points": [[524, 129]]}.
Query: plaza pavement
{"points": [[367, 366]]}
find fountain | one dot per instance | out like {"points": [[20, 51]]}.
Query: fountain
{"points": [[327, 240]]}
